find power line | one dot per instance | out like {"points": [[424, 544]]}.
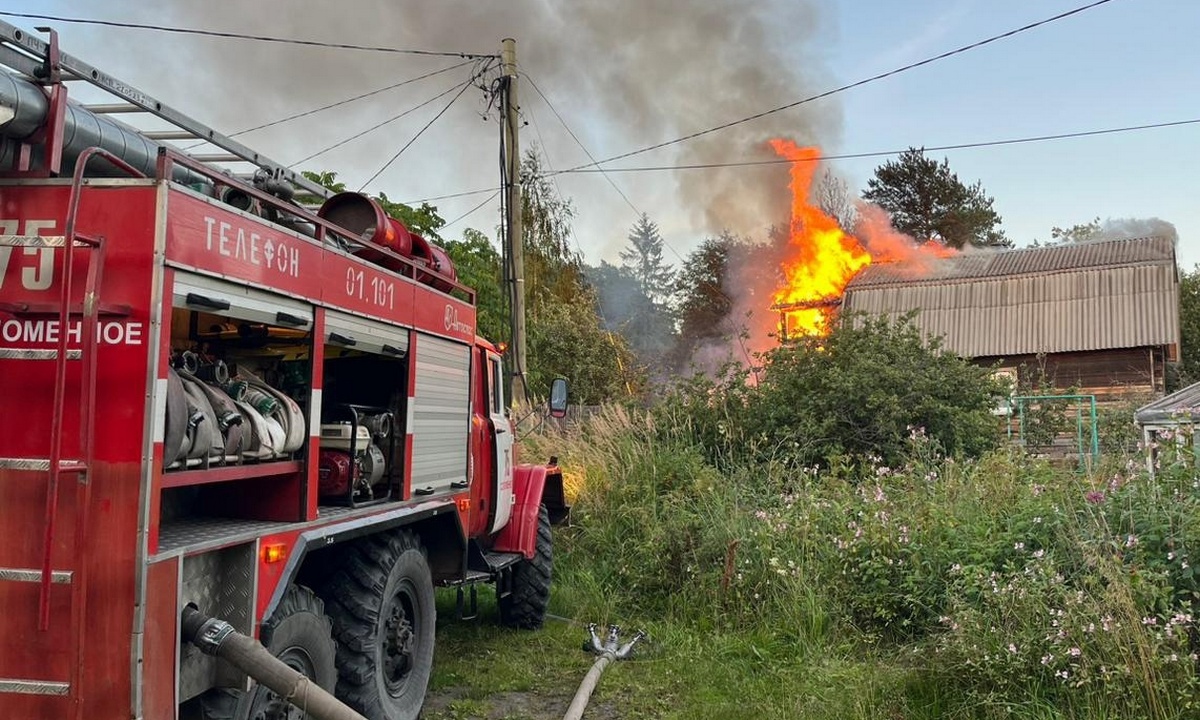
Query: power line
{"points": [[885, 153], [471, 211], [719, 291], [420, 132], [243, 36], [582, 146], [348, 100], [460, 86], [451, 196], [843, 88]]}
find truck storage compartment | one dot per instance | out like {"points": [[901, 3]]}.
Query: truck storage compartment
{"points": [[363, 411], [239, 382]]}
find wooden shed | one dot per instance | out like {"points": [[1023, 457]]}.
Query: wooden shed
{"points": [[1099, 317]]}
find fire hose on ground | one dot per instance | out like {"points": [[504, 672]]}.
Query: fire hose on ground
{"points": [[608, 651], [218, 638]]}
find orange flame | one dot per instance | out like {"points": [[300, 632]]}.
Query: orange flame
{"points": [[823, 259]]}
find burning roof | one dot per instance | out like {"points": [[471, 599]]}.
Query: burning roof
{"points": [[822, 258]]}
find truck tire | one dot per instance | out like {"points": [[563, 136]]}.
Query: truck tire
{"points": [[525, 606], [298, 633], [384, 616]]}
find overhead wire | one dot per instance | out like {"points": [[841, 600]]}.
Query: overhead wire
{"points": [[886, 153], [420, 132], [471, 211], [571, 231], [339, 103], [451, 196], [462, 86], [243, 36], [578, 142], [849, 86], [718, 290]]}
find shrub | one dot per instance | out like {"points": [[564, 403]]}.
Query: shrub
{"points": [[857, 392]]}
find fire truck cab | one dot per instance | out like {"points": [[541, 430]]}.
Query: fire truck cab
{"points": [[216, 400]]}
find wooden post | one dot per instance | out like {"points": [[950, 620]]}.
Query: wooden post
{"points": [[515, 227]]}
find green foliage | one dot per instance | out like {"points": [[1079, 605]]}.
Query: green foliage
{"points": [[1189, 324], [553, 269], [479, 267], [993, 588], [704, 305], [644, 261], [647, 326], [326, 179], [928, 201], [567, 340], [1081, 232], [864, 389]]}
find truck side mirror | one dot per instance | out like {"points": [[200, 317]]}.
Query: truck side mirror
{"points": [[558, 398]]}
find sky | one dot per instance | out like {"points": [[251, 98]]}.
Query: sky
{"points": [[625, 74]]}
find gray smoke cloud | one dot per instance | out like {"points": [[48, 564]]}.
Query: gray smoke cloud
{"points": [[625, 73], [1122, 228]]}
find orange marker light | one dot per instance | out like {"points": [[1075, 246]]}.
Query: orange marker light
{"points": [[274, 553], [464, 504]]}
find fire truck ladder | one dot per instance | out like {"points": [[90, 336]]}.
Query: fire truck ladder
{"points": [[55, 466], [42, 62]]}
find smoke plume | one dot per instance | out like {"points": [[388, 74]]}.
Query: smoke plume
{"points": [[625, 74], [1122, 228]]}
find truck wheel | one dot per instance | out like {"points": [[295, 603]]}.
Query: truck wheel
{"points": [[384, 615], [299, 634], [525, 606]]}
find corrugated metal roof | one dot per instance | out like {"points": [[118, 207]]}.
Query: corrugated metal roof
{"points": [[1024, 261], [1182, 405], [1121, 294]]}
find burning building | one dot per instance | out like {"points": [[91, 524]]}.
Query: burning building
{"points": [[1099, 317]]}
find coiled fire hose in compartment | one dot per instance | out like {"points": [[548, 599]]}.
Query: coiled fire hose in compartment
{"points": [[218, 638], [608, 651]]}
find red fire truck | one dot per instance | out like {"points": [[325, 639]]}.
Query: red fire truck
{"points": [[216, 403]]}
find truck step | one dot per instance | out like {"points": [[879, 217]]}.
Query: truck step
{"points": [[41, 464], [14, 686], [58, 577], [35, 241], [32, 354], [497, 561]]}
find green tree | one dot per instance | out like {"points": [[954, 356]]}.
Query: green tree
{"points": [[566, 337], [643, 258], [927, 201], [1081, 232], [704, 306], [553, 270], [567, 340], [864, 389], [479, 267], [1189, 324], [647, 326]]}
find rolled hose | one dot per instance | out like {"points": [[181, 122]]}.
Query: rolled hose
{"points": [[218, 638]]}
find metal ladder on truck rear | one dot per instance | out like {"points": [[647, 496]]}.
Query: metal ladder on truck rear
{"points": [[56, 466], [42, 63]]}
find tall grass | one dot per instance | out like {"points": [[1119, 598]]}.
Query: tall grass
{"points": [[1001, 587]]}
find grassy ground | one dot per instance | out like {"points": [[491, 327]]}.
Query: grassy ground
{"points": [[484, 671], [994, 588]]}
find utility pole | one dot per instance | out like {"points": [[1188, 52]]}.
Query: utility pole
{"points": [[515, 229]]}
